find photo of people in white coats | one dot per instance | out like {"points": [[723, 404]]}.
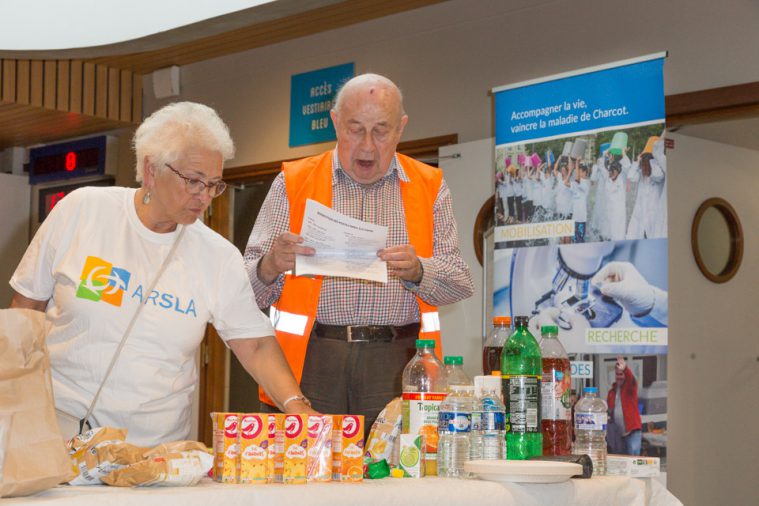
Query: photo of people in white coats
{"points": [[611, 186]]}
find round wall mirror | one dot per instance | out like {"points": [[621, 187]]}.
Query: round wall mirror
{"points": [[717, 240]]}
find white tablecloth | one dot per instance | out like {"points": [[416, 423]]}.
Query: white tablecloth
{"points": [[598, 491]]}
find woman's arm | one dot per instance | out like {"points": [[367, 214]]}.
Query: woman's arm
{"points": [[263, 359], [19, 301]]}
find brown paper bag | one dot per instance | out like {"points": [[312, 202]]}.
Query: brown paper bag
{"points": [[32, 454]]}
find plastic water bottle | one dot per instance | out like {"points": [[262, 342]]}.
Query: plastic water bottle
{"points": [[424, 388], [590, 429], [488, 438], [522, 372], [493, 347], [454, 372], [454, 428]]}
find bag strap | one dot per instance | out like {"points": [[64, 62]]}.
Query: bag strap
{"points": [[85, 421]]}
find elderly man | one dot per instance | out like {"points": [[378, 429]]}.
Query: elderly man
{"points": [[347, 340]]}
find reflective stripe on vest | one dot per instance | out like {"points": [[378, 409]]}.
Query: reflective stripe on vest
{"points": [[430, 322], [288, 322], [311, 178]]}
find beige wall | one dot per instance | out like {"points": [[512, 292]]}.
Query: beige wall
{"points": [[447, 57], [713, 382]]}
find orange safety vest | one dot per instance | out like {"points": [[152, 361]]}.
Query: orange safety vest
{"points": [[294, 314]]}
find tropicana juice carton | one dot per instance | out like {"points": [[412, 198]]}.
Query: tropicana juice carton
{"points": [[254, 443], [276, 449], [226, 467], [296, 449], [320, 448], [348, 448]]}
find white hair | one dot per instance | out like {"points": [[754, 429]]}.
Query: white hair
{"points": [[364, 80], [164, 136]]}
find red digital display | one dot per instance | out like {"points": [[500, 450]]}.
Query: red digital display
{"points": [[70, 161], [54, 199]]}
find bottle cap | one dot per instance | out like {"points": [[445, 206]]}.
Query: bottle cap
{"points": [[425, 343], [522, 321], [453, 360], [502, 320], [549, 329], [590, 390]]}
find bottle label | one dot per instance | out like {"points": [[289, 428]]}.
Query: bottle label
{"points": [[522, 394], [419, 415], [492, 420], [590, 421], [555, 393], [453, 422]]}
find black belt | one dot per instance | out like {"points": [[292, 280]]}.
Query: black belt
{"points": [[363, 333]]}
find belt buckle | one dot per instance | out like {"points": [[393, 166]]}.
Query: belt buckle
{"points": [[350, 339]]}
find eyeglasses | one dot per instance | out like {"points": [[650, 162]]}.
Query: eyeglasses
{"points": [[196, 186]]}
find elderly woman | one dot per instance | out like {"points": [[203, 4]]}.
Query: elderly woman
{"points": [[105, 253]]}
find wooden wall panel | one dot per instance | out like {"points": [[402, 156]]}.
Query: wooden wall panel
{"points": [[136, 98], [22, 82], [125, 96], [36, 82], [50, 86], [114, 94], [63, 85], [88, 89], [101, 91], [76, 90], [9, 81]]}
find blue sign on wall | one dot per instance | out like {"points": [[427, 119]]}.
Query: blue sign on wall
{"points": [[311, 96]]}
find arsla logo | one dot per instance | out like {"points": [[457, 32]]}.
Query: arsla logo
{"points": [[230, 426], [350, 426], [272, 426], [101, 281], [315, 425], [250, 426], [293, 426]]}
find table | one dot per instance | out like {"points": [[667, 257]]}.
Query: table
{"points": [[432, 491]]}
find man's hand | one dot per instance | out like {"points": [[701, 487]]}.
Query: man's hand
{"points": [[402, 262], [281, 257]]}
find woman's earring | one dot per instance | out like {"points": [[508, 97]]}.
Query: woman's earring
{"points": [[146, 198]]}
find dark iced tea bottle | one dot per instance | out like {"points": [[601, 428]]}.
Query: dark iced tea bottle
{"points": [[556, 406], [491, 351]]}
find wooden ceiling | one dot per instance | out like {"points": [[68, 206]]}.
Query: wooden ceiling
{"points": [[32, 111]]}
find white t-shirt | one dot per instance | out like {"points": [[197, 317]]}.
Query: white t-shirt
{"points": [[93, 260], [580, 200]]}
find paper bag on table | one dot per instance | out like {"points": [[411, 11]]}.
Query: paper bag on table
{"points": [[32, 454]]}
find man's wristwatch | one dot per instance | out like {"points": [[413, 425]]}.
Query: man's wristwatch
{"points": [[299, 397]]}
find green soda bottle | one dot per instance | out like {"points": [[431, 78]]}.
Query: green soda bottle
{"points": [[521, 373]]}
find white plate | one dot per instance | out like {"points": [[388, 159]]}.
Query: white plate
{"points": [[523, 471]]}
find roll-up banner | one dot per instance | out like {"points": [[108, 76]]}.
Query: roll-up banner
{"points": [[581, 232]]}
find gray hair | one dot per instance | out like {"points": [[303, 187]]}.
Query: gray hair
{"points": [[363, 80], [166, 134]]}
